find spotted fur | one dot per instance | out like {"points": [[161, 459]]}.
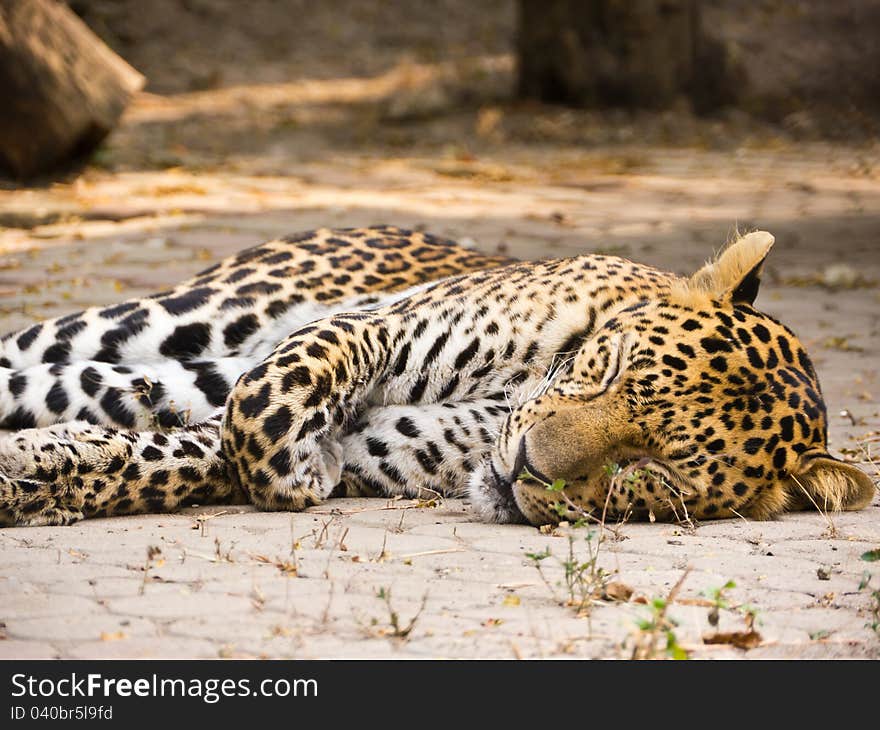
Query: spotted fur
{"points": [[380, 361]]}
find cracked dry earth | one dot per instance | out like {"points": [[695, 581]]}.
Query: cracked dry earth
{"points": [[373, 578]]}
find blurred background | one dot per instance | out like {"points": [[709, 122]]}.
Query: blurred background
{"points": [[142, 140], [651, 129], [810, 65], [291, 80]]}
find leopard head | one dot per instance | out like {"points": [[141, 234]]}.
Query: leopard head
{"points": [[688, 404]]}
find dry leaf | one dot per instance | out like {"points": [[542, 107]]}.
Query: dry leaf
{"points": [[739, 639], [617, 591], [113, 636], [511, 600]]}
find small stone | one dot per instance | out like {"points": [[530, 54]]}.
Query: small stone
{"points": [[840, 276]]}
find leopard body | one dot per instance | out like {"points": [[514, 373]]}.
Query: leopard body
{"points": [[381, 361]]}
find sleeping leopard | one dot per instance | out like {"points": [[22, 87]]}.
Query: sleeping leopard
{"points": [[385, 362]]}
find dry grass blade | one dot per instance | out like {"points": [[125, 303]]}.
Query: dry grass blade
{"points": [[832, 528], [396, 629], [289, 568]]}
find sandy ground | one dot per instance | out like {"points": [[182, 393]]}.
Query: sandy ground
{"points": [[191, 177]]}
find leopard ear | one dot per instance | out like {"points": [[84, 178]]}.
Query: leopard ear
{"points": [[735, 274], [826, 483]]}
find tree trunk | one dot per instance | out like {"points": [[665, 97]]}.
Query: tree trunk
{"points": [[630, 53], [62, 89]]}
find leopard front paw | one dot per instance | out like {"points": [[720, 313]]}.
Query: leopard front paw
{"points": [[294, 485], [25, 503], [48, 515]]}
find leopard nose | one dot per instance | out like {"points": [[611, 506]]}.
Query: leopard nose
{"points": [[522, 464]]}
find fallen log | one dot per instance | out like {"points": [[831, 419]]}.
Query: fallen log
{"points": [[62, 90]]}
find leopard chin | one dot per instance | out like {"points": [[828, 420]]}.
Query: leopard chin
{"points": [[491, 496]]}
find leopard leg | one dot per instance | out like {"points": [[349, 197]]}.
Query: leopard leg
{"points": [[155, 394], [242, 305], [248, 302], [150, 361], [284, 425], [282, 422], [415, 450], [31, 503], [59, 474]]}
